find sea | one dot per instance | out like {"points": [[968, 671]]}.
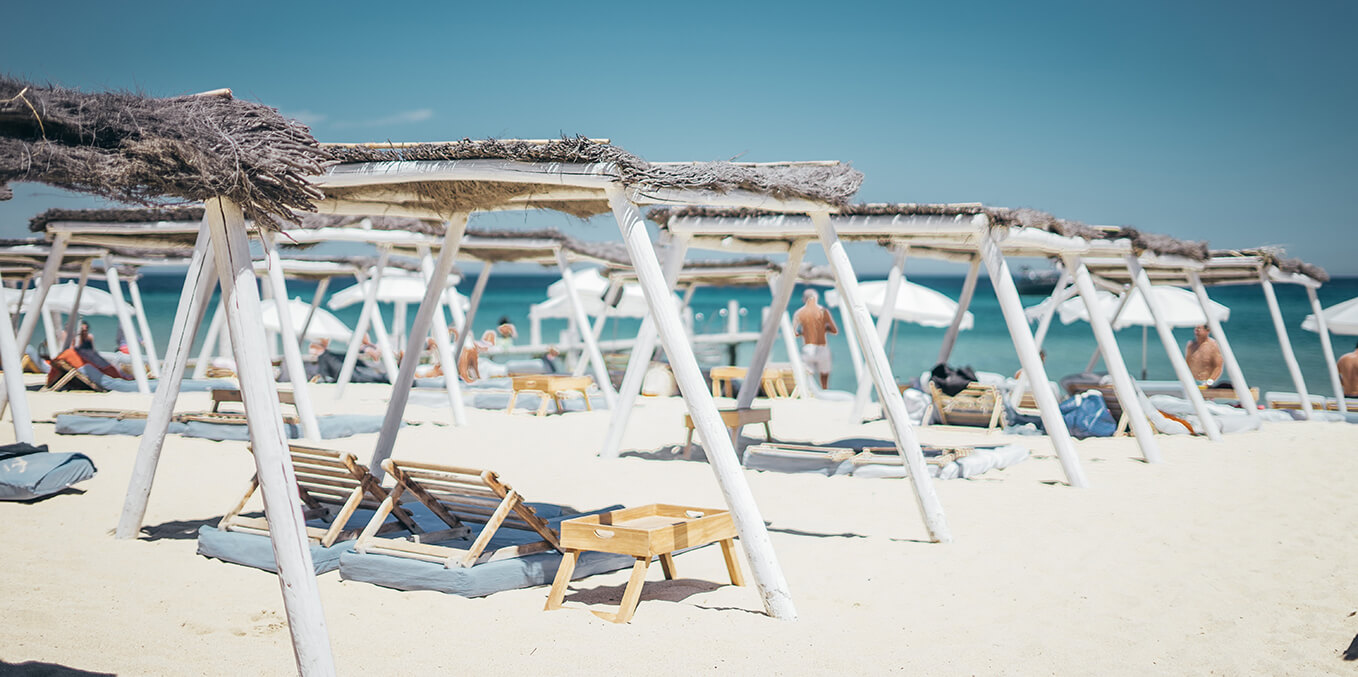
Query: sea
{"points": [[912, 349]]}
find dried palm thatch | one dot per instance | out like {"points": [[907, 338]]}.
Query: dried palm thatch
{"points": [[424, 227], [141, 150], [1000, 216], [1274, 256], [831, 183], [182, 214]]}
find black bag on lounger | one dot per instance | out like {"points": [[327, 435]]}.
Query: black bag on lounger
{"points": [[328, 367], [952, 380]]}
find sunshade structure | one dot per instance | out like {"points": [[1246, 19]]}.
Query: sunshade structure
{"points": [[967, 233], [319, 323], [914, 303], [1264, 267], [1341, 318]]}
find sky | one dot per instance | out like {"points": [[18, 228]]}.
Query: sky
{"points": [[1226, 122]]}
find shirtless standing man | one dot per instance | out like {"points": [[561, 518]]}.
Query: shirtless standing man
{"points": [[812, 323], [1348, 373], [1203, 356]]}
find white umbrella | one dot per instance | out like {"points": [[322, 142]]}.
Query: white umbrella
{"points": [[61, 298], [1180, 307], [396, 287], [588, 284], [1339, 319], [323, 324], [631, 304], [915, 303]]}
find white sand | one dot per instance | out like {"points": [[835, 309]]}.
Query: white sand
{"points": [[1230, 558]]}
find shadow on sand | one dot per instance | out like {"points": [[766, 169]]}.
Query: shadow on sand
{"points": [[41, 669]]}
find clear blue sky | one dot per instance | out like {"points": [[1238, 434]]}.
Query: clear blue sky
{"points": [[1229, 122]]}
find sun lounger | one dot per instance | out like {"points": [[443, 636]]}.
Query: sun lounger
{"points": [[457, 496], [28, 473], [977, 405], [332, 486], [69, 377], [1282, 400]]}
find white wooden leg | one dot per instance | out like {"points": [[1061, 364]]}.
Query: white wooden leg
{"points": [[1233, 370], [894, 279], [424, 318], [855, 355], [398, 323], [1289, 357], [1060, 293], [143, 327], [478, 290], [50, 268], [73, 319], [1112, 358], [199, 282], [115, 289], [1029, 359], [803, 382], [49, 330], [963, 303], [643, 349], [366, 314], [210, 342], [1172, 349], [754, 536], [451, 383], [277, 481], [1326, 347], [596, 358], [322, 286], [11, 361], [787, 282], [893, 406], [292, 353]]}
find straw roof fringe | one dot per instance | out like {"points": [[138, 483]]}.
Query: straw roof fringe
{"points": [[38, 223], [389, 223], [1274, 256], [833, 184], [141, 150]]}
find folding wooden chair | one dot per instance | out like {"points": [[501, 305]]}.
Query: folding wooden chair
{"points": [[70, 373], [457, 496], [332, 486], [977, 405]]}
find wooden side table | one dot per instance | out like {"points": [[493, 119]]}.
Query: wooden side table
{"points": [[643, 533], [723, 379], [735, 420], [549, 386]]}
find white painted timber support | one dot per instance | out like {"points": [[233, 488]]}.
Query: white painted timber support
{"points": [[1233, 370], [801, 378], [1128, 396], [707, 421], [886, 317], [199, 283], [451, 383], [50, 268], [211, 341], [1323, 328], [73, 318], [273, 465], [398, 323], [1029, 359], [424, 319], [1123, 299], [115, 289], [782, 295], [596, 358], [893, 406], [1289, 357], [855, 355], [1064, 289], [11, 361], [1172, 350], [368, 316], [963, 304], [49, 330], [292, 352], [143, 326], [322, 286], [478, 289], [598, 329], [642, 352]]}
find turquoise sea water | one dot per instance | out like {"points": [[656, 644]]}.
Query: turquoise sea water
{"points": [[913, 348]]}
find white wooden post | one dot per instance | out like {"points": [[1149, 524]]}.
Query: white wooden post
{"points": [[49, 330], [893, 406], [721, 455], [643, 349], [366, 315], [596, 358], [802, 381], [1117, 315], [1323, 329], [292, 353], [1172, 350], [1112, 358], [787, 282], [885, 318], [1233, 370], [1289, 357], [322, 286], [277, 481], [1063, 290], [211, 341], [855, 355], [963, 303], [115, 289], [73, 319], [199, 282], [11, 361], [1029, 359], [398, 322], [50, 268], [451, 382], [431, 306], [144, 327], [598, 329], [477, 290]]}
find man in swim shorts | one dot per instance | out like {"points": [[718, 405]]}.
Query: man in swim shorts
{"points": [[813, 323]]}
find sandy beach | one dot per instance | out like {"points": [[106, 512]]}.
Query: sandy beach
{"points": [[1226, 559]]}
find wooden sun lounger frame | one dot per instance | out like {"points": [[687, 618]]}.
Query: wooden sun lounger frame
{"points": [[119, 414], [977, 404], [456, 495], [867, 455], [70, 374], [325, 479]]}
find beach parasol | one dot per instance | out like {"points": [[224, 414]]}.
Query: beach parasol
{"points": [[396, 287], [915, 303], [323, 324], [1341, 318]]}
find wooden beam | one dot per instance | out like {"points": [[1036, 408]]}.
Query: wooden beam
{"points": [[1322, 328], [1236, 374], [1289, 357], [782, 295], [11, 361]]}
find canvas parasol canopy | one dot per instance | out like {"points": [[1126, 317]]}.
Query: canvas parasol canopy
{"points": [[396, 287], [323, 324], [1340, 318], [61, 298], [1180, 307], [915, 303]]}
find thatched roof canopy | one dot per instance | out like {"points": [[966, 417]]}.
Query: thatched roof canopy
{"points": [[1222, 267], [1275, 256], [142, 150]]}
